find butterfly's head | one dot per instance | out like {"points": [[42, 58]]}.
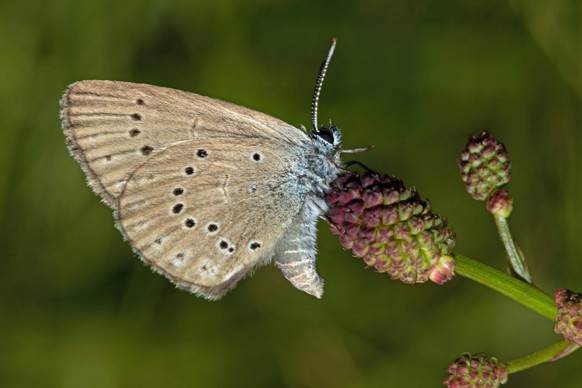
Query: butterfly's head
{"points": [[327, 138]]}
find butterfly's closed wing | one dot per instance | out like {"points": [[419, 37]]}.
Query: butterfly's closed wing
{"points": [[187, 175], [206, 213], [113, 127]]}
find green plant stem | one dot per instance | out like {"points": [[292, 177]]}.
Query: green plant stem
{"points": [[551, 353], [516, 259], [518, 290]]}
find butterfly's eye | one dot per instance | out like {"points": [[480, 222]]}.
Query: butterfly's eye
{"points": [[326, 134]]}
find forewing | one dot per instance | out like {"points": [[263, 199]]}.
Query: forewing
{"points": [[114, 127], [205, 212]]}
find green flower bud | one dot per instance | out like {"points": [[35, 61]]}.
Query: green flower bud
{"points": [[500, 203], [444, 270]]}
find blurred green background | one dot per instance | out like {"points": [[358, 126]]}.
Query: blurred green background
{"points": [[412, 77]]}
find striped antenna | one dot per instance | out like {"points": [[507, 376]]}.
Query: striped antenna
{"points": [[319, 83]]}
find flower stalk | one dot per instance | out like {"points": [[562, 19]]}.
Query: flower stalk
{"points": [[516, 259], [550, 353], [521, 292]]}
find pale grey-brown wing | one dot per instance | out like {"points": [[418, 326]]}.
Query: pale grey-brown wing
{"points": [[113, 127], [205, 212]]}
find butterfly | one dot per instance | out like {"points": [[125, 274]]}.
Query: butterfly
{"points": [[204, 190]]}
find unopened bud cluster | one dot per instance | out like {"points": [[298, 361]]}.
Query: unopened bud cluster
{"points": [[390, 227], [484, 165], [476, 370], [569, 318]]}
